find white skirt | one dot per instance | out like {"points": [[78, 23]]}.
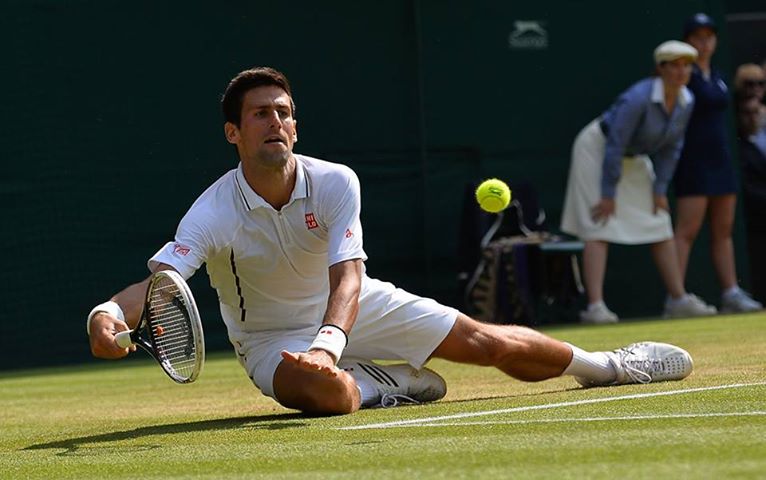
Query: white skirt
{"points": [[634, 221]]}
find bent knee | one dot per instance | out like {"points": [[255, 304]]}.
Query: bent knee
{"points": [[319, 403], [313, 392]]}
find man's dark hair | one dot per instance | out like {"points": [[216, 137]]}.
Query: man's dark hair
{"points": [[231, 102]]}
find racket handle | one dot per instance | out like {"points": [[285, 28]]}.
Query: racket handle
{"points": [[122, 339]]}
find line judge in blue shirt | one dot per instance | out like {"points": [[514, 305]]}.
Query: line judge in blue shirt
{"points": [[622, 163]]}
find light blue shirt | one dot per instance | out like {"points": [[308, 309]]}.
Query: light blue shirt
{"points": [[637, 124]]}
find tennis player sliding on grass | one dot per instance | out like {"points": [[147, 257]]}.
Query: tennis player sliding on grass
{"points": [[282, 241]]}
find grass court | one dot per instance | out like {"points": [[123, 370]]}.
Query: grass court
{"points": [[128, 420]]}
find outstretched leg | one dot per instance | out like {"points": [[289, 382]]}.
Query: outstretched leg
{"points": [[520, 352], [532, 356]]}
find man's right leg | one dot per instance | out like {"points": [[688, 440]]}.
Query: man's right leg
{"points": [[354, 384], [315, 392], [293, 386]]}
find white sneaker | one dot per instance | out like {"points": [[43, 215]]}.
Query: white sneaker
{"points": [[739, 302], [598, 314], [397, 384], [646, 362], [688, 306]]}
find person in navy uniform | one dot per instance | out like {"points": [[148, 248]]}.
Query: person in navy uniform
{"points": [[704, 180]]}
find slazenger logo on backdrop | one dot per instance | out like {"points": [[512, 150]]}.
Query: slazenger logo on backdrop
{"points": [[528, 35]]}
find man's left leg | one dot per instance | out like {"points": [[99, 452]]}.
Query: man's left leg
{"points": [[518, 351], [532, 356]]}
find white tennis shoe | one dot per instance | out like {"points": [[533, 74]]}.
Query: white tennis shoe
{"points": [[689, 305], [598, 314], [739, 302], [397, 384], [646, 362]]}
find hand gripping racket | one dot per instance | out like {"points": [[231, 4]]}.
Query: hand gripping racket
{"points": [[170, 328]]}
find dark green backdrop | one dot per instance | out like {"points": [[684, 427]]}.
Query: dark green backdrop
{"points": [[111, 128]]}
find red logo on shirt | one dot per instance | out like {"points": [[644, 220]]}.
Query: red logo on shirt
{"points": [[311, 222], [182, 250], [349, 233]]}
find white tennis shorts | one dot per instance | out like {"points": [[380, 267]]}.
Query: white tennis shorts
{"points": [[392, 324]]}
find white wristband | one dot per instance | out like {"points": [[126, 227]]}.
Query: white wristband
{"points": [[109, 307], [332, 339]]}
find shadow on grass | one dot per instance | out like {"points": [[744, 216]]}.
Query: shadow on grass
{"points": [[83, 446], [103, 444], [513, 396]]}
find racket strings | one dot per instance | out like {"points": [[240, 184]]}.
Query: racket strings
{"points": [[170, 329]]}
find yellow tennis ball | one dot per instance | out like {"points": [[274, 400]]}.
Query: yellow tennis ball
{"points": [[493, 195]]}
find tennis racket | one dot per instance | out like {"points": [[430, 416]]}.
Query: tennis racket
{"points": [[170, 328]]}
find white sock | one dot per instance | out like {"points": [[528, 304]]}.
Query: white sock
{"points": [[369, 394], [591, 365]]}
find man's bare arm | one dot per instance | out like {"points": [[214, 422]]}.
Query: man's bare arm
{"points": [[343, 302], [342, 308], [104, 326]]}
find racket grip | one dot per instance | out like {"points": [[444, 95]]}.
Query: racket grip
{"points": [[122, 339]]}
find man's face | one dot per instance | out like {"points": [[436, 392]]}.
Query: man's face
{"points": [[267, 129]]}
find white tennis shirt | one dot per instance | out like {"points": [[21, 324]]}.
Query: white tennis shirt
{"points": [[270, 267]]}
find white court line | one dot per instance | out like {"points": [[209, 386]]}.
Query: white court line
{"points": [[401, 423], [588, 419]]}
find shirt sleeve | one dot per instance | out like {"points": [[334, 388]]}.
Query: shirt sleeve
{"points": [[625, 116], [343, 224], [190, 249]]}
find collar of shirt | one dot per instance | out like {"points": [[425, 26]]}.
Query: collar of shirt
{"points": [[252, 200], [658, 93]]}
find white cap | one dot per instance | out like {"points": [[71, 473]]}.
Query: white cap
{"points": [[672, 50]]}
